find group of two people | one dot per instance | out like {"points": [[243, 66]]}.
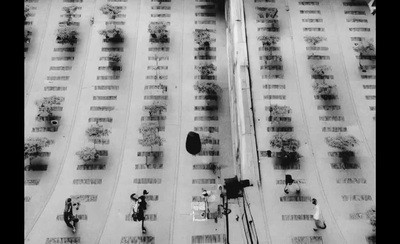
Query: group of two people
{"points": [[317, 216]]}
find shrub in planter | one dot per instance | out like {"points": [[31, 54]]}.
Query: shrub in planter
{"points": [[207, 87], [156, 108], [314, 40], [269, 40], [27, 35], [33, 147], [371, 215], [88, 154], [287, 144], [27, 12], [110, 10], [151, 137], [67, 35], [97, 131], [158, 31], [320, 70], [343, 143], [364, 47], [45, 105], [202, 37], [322, 89], [114, 59], [69, 13], [267, 12], [113, 34], [277, 111], [206, 69]]}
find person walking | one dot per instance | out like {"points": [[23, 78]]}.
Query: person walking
{"points": [[69, 215], [289, 184], [318, 219], [142, 206]]}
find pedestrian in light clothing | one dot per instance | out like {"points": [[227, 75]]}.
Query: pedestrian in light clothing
{"points": [[318, 219]]}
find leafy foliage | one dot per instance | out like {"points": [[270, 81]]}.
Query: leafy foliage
{"points": [[69, 12], [322, 88], [88, 153], [341, 142], [314, 40], [157, 107], [364, 46], [27, 35], [268, 40], [34, 146], [371, 215], [206, 69], [285, 142], [114, 57], [110, 10], [150, 135], [207, 87], [67, 35], [112, 33], [97, 130], [267, 12], [159, 30], [46, 103], [320, 69], [202, 37]]}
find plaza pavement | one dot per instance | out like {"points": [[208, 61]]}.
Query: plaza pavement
{"points": [[104, 193]]}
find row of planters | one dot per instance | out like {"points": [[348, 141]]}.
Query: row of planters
{"points": [[27, 32], [47, 106], [343, 143], [97, 133], [326, 91], [206, 84], [150, 130]]}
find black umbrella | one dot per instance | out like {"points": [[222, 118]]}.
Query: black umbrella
{"points": [[193, 143]]}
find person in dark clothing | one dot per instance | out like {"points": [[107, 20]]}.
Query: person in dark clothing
{"points": [[68, 215], [142, 206]]}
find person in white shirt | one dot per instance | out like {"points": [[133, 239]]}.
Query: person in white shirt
{"points": [[319, 221]]}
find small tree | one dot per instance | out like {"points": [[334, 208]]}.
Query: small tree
{"points": [[207, 87], [314, 40], [69, 13], [27, 12], [343, 143], [202, 37], [364, 47], [276, 111], [151, 136], [97, 131], [269, 41], [206, 69], [113, 34], [67, 35], [114, 59], [320, 70], [324, 90], [110, 10], [88, 154], [267, 12], [371, 215], [27, 36], [34, 146], [157, 107], [287, 144], [158, 31], [46, 104]]}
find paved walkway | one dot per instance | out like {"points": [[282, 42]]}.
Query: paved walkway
{"points": [[175, 180]]}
